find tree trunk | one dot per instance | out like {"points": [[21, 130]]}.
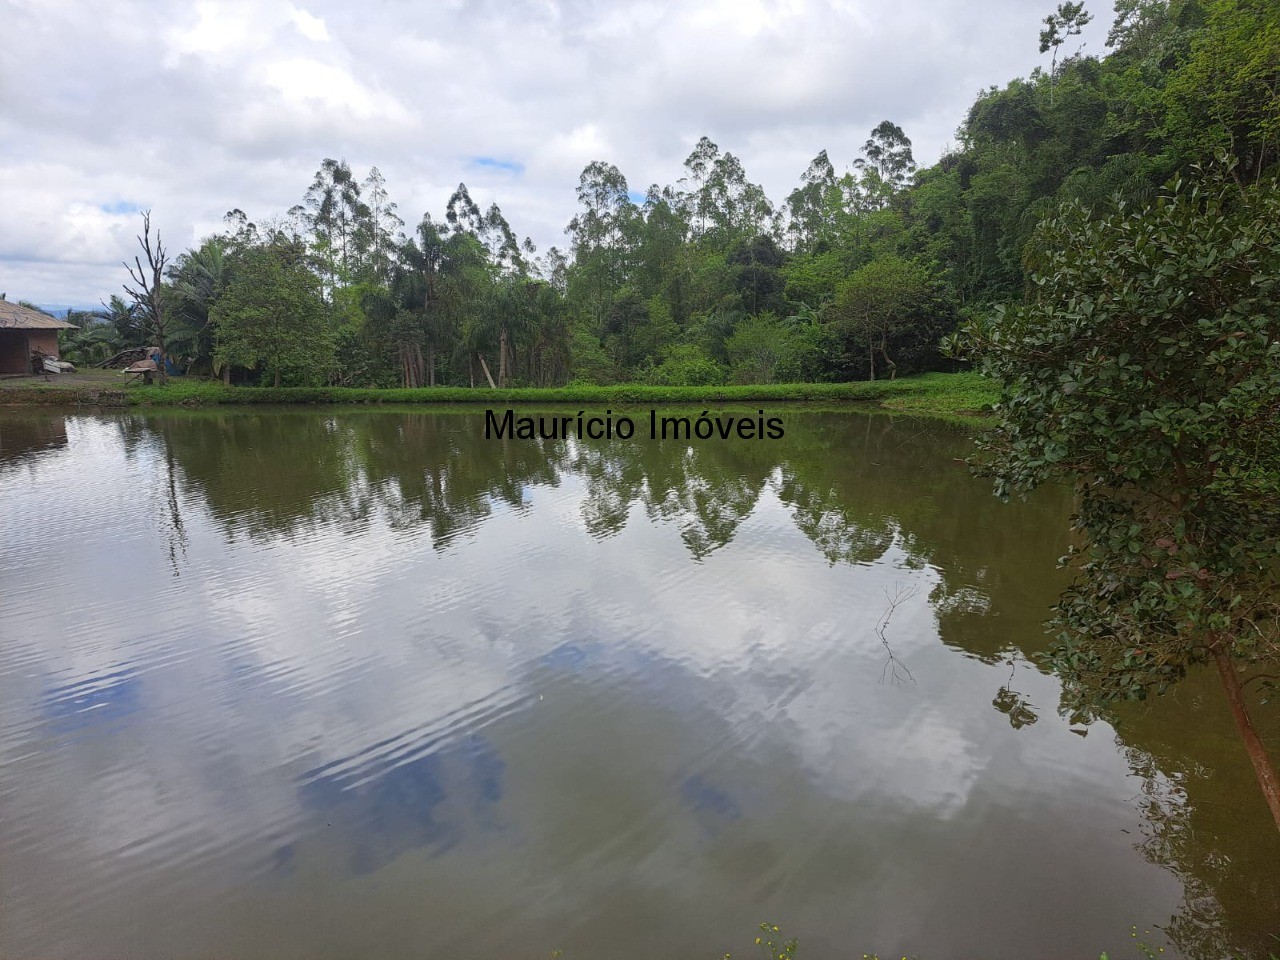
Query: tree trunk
{"points": [[487, 375], [410, 368], [277, 383], [1263, 768], [884, 352], [226, 374], [163, 362], [502, 358], [871, 356], [431, 365]]}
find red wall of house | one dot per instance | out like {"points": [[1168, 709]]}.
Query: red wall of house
{"points": [[13, 351], [16, 347], [46, 340]]}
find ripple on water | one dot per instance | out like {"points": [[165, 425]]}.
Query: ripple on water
{"points": [[333, 685]]}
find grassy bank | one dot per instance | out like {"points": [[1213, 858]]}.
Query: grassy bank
{"points": [[956, 394]]}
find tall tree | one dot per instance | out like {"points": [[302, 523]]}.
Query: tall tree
{"points": [[440, 273], [599, 234], [334, 213], [147, 289], [462, 213], [381, 225], [809, 206], [886, 165], [1067, 21]]}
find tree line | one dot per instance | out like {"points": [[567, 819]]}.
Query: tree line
{"points": [[858, 273]]}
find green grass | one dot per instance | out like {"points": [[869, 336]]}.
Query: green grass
{"points": [[954, 394]]}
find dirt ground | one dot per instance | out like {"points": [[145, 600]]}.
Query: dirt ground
{"points": [[81, 379]]}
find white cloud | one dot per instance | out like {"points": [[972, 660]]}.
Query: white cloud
{"points": [[221, 32], [309, 25], [235, 103]]}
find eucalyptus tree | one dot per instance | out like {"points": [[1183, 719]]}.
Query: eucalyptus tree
{"points": [[490, 228], [505, 251], [462, 213], [809, 207], [734, 206], [377, 232], [441, 274], [240, 232], [886, 165], [553, 267], [599, 237], [334, 212], [720, 202], [698, 169], [661, 251]]}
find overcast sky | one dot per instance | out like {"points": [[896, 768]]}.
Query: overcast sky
{"points": [[109, 108]]}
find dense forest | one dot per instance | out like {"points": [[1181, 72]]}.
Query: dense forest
{"points": [[858, 273]]}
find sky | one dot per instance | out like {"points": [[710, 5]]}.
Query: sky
{"points": [[111, 108]]}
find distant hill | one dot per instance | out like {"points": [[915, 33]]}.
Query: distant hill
{"points": [[61, 310]]}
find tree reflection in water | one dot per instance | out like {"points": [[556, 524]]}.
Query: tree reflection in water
{"points": [[855, 486]]}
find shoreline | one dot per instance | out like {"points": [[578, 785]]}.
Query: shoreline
{"points": [[964, 395]]}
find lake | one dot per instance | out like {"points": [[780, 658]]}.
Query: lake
{"points": [[361, 683]]}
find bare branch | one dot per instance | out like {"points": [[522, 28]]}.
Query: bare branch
{"points": [[147, 286]]}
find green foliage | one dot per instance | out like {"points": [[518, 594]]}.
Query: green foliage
{"points": [[965, 394], [272, 318], [1145, 369], [811, 279], [94, 341], [880, 304], [1226, 95], [766, 349], [197, 279], [684, 366]]}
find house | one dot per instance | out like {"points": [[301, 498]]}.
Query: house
{"points": [[24, 331]]}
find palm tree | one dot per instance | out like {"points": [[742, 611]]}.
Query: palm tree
{"points": [[125, 320], [93, 342], [198, 277]]}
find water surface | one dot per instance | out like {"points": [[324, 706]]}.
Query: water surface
{"points": [[352, 683]]}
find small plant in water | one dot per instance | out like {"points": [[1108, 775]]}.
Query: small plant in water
{"points": [[770, 946], [1151, 953]]}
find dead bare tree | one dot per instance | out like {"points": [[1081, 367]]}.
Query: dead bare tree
{"points": [[146, 289]]}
